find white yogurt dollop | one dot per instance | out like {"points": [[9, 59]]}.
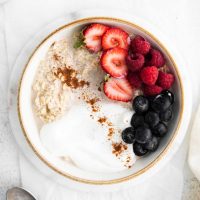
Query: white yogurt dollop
{"points": [[81, 138]]}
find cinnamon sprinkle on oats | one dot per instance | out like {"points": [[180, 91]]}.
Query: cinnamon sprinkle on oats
{"points": [[68, 76], [56, 57]]}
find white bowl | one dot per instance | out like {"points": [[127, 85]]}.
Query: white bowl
{"points": [[30, 129]]}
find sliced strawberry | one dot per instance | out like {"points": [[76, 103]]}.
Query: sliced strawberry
{"points": [[92, 36], [113, 62], [118, 89], [115, 37]]}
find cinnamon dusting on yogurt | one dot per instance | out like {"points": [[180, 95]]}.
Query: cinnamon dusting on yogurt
{"points": [[118, 148], [91, 102], [111, 131], [127, 162], [102, 120]]}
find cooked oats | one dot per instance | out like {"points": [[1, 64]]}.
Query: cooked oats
{"points": [[51, 97]]}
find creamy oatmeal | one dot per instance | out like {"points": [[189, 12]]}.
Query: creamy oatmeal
{"points": [[55, 77]]}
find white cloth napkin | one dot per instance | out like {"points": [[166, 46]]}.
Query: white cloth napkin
{"points": [[194, 150], [193, 44], [25, 17]]}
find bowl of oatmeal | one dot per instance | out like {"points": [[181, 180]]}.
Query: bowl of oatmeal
{"points": [[101, 101]]}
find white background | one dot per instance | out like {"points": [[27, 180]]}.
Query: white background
{"points": [[179, 20]]}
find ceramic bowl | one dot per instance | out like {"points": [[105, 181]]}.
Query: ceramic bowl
{"points": [[30, 129]]}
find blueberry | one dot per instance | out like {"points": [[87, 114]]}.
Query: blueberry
{"points": [[169, 94], [167, 115], [137, 120], [143, 134], [128, 135], [160, 129], [160, 103], [146, 125], [150, 98], [152, 145], [139, 150], [152, 118], [140, 104]]}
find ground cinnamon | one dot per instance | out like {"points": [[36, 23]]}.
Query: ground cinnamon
{"points": [[118, 148], [68, 76]]}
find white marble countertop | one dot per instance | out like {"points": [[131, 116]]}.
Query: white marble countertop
{"points": [[184, 13]]}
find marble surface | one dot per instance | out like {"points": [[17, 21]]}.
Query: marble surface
{"points": [[9, 163], [188, 16]]}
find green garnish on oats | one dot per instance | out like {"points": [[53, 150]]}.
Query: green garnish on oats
{"points": [[79, 41]]}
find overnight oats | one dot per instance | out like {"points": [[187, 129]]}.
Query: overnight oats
{"points": [[102, 98]]}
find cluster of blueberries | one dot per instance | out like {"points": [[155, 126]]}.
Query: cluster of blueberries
{"points": [[149, 122]]}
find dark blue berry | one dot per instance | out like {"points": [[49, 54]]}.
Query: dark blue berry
{"points": [[128, 135], [137, 120], [167, 115], [160, 103], [140, 104], [169, 94], [139, 150], [143, 134], [160, 130], [152, 145], [152, 118], [146, 125]]}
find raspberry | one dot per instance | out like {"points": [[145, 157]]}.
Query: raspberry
{"points": [[155, 58], [135, 61], [140, 45], [149, 75], [152, 90], [134, 79], [165, 80]]}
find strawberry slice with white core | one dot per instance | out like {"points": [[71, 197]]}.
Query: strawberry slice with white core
{"points": [[113, 62], [118, 89], [115, 37], [92, 35]]}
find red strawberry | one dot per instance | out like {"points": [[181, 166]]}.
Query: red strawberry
{"points": [[118, 89], [149, 75], [92, 35], [113, 62], [115, 37], [152, 90], [134, 79], [165, 80], [140, 45], [135, 61]]}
